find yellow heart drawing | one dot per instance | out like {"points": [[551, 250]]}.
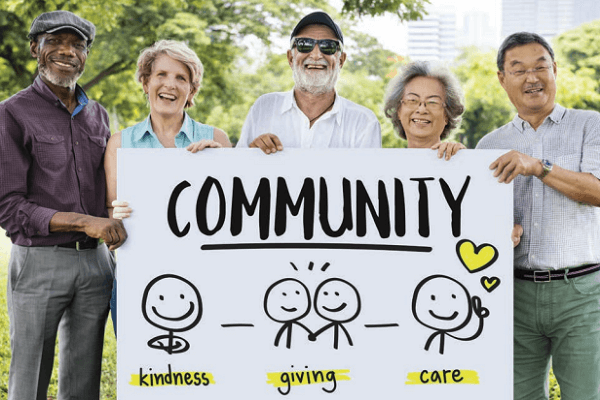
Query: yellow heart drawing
{"points": [[476, 258], [490, 284]]}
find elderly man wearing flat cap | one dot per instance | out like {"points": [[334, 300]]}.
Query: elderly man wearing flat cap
{"points": [[312, 114], [52, 205]]}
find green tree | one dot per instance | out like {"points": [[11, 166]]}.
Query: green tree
{"points": [[215, 29], [486, 105], [578, 58]]}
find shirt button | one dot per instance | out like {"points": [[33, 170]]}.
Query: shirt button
{"points": [[79, 169], [77, 143], [533, 256], [536, 224]]}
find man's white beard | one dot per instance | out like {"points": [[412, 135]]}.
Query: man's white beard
{"points": [[318, 83], [68, 82]]}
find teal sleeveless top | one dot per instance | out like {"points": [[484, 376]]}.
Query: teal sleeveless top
{"points": [[141, 135]]}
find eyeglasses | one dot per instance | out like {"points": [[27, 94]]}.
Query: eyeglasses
{"points": [[415, 102], [306, 45], [535, 71]]}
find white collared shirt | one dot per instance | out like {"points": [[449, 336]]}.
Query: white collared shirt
{"points": [[346, 125], [557, 231]]}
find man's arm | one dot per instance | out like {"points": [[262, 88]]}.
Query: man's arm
{"points": [[110, 230], [578, 186], [18, 214]]}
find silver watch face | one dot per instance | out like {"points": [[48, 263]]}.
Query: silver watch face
{"points": [[547, 165]]}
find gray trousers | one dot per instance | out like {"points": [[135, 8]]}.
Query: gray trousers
{"points": [[50, 290]]}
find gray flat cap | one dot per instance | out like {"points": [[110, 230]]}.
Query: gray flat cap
{"points": [[53, 21]]}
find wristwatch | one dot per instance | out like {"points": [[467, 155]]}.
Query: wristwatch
{"points": [[547, 167]]}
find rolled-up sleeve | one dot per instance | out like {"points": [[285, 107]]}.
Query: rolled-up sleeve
{"points": [[590, 160], [17, 213]]}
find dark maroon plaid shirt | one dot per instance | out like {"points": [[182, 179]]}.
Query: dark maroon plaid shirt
{"points": [[50, 161]]}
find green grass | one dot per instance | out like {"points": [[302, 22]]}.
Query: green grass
{"points": [[108, 390]]}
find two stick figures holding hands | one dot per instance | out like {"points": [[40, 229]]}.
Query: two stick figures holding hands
{"points": [[288, 301]]}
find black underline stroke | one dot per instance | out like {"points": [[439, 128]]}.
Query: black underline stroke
{"points": [[320, 246], [380, 325], [237, 325]]}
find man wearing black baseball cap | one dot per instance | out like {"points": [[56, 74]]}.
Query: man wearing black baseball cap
{"points": [[52, 205], [312, 114]]}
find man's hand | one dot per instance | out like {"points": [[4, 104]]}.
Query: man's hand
{"points": [[111, 231], [450, 148], [203, 144], [268, 143], [513, 164], [516, 234]]}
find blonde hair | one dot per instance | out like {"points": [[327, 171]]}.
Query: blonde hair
{"points": [[178, 51]]}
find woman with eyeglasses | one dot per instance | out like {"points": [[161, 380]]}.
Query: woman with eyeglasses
{"points": [[170, 73], [425, 104]]}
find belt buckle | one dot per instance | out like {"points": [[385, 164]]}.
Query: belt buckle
{"points": [[542, 274], [77, 246]]}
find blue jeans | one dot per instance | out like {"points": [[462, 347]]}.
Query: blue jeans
{"points": [[558, 320]]}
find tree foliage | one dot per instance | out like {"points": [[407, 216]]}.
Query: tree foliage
{"points": [[406, 10], [486, 105], [216, 30]]}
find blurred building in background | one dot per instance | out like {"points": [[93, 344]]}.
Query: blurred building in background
{"points": [[434, 37], [547, 18]]}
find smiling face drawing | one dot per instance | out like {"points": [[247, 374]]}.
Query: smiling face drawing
{"points": [[337, 300], [287, 300], [172, 303], [442, 303]]}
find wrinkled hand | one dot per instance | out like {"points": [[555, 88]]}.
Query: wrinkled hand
{"points": [[513, 164], [450, 148], [121, 209], [110, 230], [203, 144], [268, 143], [478, 309], [516, 234]]}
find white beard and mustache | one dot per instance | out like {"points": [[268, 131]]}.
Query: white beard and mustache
{"points": [[55, 79], [318, 82]]}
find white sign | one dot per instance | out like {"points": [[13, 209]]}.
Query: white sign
{"points": [[322, 274]]}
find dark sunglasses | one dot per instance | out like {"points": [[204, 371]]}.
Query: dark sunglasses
{"points": [[327, 46]]}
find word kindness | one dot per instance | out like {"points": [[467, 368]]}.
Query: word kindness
{"points": [[171, 378], [387, 209]]}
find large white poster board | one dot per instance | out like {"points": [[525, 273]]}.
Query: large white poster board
{"points": [[318, 274]]}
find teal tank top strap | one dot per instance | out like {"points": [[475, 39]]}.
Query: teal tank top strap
{"points": [[127, 137], [202, 131]]}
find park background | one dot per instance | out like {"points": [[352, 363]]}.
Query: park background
{"points": [[242, 46]]}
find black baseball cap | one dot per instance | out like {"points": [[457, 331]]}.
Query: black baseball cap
{"points": [[318, 18], [53, 21]]}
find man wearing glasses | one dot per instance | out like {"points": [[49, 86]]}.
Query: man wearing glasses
{"points": [[554, 160], [312, 114]]}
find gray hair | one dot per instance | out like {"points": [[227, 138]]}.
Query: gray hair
{"points": [[453, 106], [176, 50], [520, 39]]}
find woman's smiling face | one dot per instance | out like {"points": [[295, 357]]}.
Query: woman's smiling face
{"points": [[168, 86], [425, 121]]}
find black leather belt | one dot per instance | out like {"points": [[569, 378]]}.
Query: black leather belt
{"points": [[87, 244], [555, 275]]}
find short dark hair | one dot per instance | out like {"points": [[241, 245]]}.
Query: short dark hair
{"points": [[520, 39]]}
